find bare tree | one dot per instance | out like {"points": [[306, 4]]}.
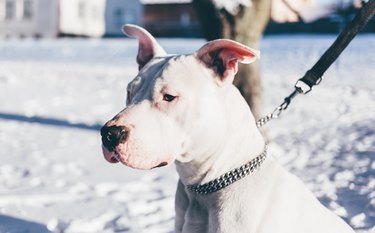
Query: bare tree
{"points": [[244, 23]]}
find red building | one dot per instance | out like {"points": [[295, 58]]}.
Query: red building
{"points": [[170, 18]]}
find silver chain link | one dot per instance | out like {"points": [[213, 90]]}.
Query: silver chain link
{"points": [[229, 177], [277, 112]]}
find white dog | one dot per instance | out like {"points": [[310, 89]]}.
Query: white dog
{"points": [[184, 108]]}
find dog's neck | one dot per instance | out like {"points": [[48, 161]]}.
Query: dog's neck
{"points": [[243, 142]]}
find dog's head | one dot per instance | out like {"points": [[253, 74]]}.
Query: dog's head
{"points": [[177, 105]]}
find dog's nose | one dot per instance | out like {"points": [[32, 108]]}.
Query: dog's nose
{"points": [[112, 136]]}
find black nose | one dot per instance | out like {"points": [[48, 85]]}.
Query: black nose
{"points": [[112, 136]]}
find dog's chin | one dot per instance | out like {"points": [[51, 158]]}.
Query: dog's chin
{"points": [[116, 156], [142, 166]]}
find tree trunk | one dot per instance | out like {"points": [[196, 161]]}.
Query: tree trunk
{"points": [[246, 27]]}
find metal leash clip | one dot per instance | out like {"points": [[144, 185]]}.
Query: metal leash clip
{"points": [[304, 85], [277, 112]]}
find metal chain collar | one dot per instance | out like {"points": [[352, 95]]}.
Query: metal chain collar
{"points": [[229, 177]]}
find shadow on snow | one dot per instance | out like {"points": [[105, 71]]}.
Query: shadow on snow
{"points": [[12, 224], [48, 121]]}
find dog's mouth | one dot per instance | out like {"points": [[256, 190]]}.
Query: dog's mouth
{"points": [[110, 155], [115, 157], [162, 164]]}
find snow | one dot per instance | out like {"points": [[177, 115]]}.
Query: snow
{"points": [[55, 95]]}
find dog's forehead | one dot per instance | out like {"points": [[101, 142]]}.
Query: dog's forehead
{"points": [[155, 66], [163, 67], [149, 72], [181, 64]]}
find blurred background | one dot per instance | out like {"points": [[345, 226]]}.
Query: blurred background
{"points": [[64, 67], [163, 18]]}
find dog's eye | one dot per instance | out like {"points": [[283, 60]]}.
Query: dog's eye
{"points": [[168, 98]]}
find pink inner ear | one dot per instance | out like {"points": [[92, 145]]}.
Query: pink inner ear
{"points": [[233, 65], [231, 68], [230, 61], [243, 54], [223, 56]]}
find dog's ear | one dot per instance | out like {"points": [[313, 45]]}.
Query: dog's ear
{"points": [[148, 46], [223, 56]]}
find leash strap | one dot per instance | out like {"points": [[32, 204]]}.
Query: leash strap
{"points": [[314, 75]]}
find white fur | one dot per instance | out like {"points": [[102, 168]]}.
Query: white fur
{"points": [[208, 130]]}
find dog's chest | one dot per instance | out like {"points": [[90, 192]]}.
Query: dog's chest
{"points": [[218, 213]]}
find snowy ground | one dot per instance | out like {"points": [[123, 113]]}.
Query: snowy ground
{"points": [[55, 94]]}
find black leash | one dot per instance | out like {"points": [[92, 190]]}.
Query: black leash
{"points": [[314, 76]]}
